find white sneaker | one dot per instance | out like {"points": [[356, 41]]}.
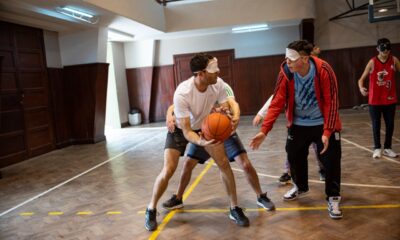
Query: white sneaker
{"points": [[294, 193], [389, 152], [334, 208], [377, 153]]}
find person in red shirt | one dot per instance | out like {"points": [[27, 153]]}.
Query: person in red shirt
{"points": [[381, 94]]}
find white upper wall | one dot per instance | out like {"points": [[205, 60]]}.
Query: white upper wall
{"points": [[120, 80], [219, 13], [139, 54], [253, 44], [87, 46], [352, 31], [52, 49]]}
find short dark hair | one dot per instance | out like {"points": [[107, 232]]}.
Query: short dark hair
{"points": [[383, 41], [199, 62], [302, 46]]}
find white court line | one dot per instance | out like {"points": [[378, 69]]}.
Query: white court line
{"points": [[366, 149], [322, 182], [77, 176]]}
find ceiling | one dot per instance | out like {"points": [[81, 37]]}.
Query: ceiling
{"points": [[42, 14]]}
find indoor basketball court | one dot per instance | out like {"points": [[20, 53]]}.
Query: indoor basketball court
{"points": [[105, 197]]}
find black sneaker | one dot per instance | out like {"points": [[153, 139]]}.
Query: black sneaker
{"points": [[237, 215], [285, 178], [173, 203], [265, 202], [151, 219], [293, 194]]}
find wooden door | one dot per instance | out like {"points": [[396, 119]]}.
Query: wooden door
{"points": [[12, 126], [26, 126], [33, 83], [225, 60]]}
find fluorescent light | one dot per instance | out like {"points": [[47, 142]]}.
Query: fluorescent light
{"points": [[77, 14], [186, 2], [250, 28], [382, 10], [119, 36]]}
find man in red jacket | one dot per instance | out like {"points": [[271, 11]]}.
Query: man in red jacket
{"points": [[307, 87]]}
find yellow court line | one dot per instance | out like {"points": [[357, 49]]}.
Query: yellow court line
{"points": [[222, 210], [113, 213], [165, 221], [26, 213], [84, 213], [55, 213]]}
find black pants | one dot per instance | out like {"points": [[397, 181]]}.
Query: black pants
{"points": [[297, 145], [388, 112]]}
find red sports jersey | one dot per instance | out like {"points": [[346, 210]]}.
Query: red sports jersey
{"points": [[382, 82]]}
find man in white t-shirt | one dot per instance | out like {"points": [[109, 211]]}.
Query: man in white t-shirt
{"points": [[193, 101]]}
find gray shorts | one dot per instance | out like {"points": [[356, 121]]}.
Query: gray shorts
{"points": [[233, 147], [177, 140]]}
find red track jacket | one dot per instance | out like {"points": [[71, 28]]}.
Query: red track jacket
{"points": [[326, 92]]}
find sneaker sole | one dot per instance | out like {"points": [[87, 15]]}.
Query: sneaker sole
{"points": [[335, 217], [233, 219], [174, 207], [150, 230], [284, 183], [391, 156], [268, 209], [298, 196]]}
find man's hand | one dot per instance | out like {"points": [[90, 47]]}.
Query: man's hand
{"points": [[325, 141], [256, 141], [170, 122], [257, 120], [205, 143], [364, 91]]}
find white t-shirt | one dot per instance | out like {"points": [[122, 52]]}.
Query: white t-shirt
{"points": [[190, 102]]}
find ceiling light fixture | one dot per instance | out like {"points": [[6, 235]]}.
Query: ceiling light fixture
{"points": [[77, 14], [250, 28], [382, 10]]}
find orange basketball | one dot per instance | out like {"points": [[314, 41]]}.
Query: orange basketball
{"points": [[216, 126]]}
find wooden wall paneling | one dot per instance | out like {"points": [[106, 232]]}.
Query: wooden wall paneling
{"points": [[341, 62], [348, 65], [163, 88], [101, 71], [86, 90], [139, 90], [12, 129], [60, 107], [225, 63], [255, 80], [33, 82]]}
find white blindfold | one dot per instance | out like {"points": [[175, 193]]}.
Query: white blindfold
{"points": [[212, 66], [293, 55]]}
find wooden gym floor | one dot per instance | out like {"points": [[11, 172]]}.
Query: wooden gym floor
{"points": [[100, 191]]}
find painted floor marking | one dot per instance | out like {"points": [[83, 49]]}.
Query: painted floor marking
{"points": [[169, 216], [77, 176]]}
